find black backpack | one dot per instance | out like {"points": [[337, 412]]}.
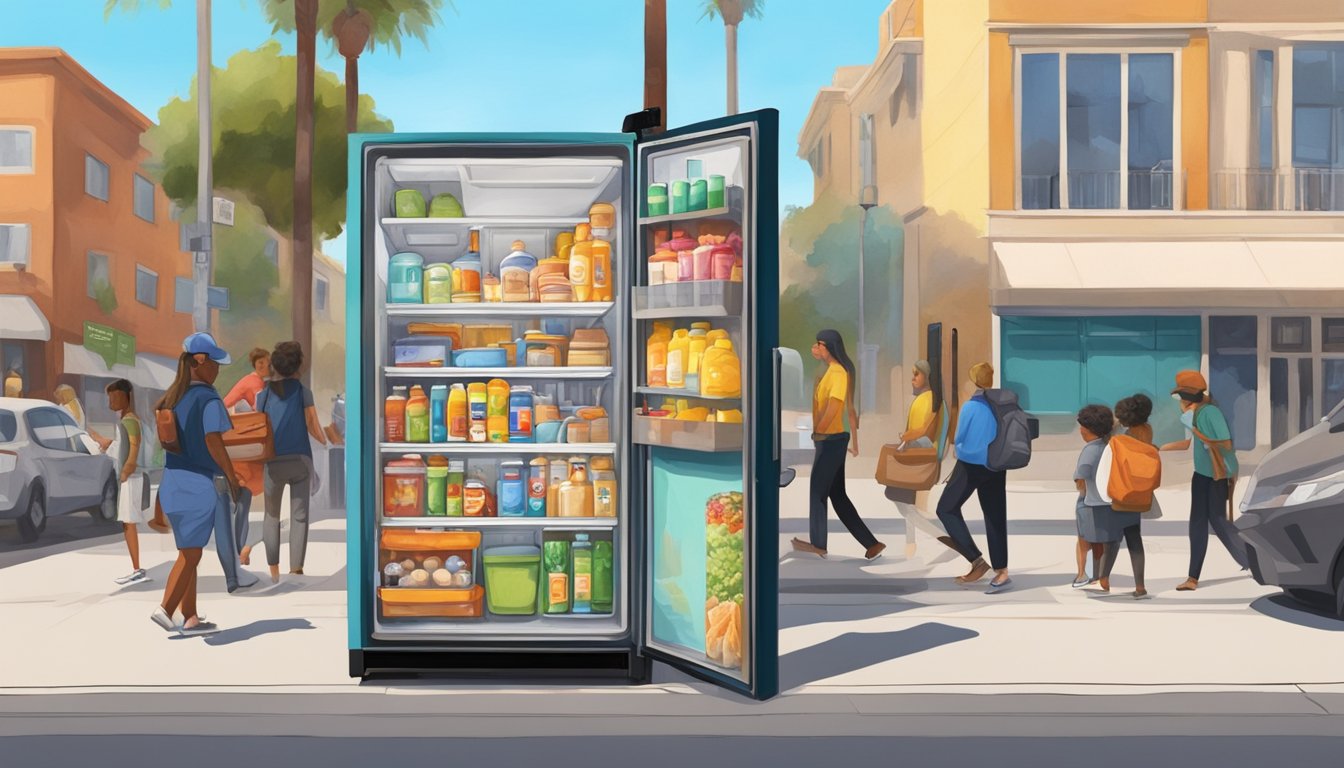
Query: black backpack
{"points": [[1011, 448]]}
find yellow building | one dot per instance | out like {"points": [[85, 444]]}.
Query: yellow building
{"points": [[1110, 192]]}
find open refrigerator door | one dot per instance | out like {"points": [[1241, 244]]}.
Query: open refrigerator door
{"points": [[704, 413]]}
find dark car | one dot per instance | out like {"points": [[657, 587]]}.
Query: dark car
{"points": [[1293, 516]]}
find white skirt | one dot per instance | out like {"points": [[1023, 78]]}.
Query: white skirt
{"points": [[131, 497]]}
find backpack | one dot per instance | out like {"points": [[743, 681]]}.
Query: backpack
{"points": [[1128, 473], [1011, 448]]}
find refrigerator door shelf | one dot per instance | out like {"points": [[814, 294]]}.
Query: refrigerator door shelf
{"points": [[522, 449], [410, 234], [472, 523], [701, 436], [567, 373], [523, 310], [731, 211], [677, 301], [684, 393]]}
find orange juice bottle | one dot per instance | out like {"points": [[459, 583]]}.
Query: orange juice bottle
{"points": [[581, 264], [497, 411], [601, 270], [394, 416], [459, 422], [678, 352], [657, 354]]}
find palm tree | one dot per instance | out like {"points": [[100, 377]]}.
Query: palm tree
{"points": [[358, 25], [732, 12]]}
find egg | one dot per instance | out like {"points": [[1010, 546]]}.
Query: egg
{"points": [[462, 579], [455, 564], [394, 570], [432, 564], [442, 578], [408, 565], [406, 581], [420, 577]]}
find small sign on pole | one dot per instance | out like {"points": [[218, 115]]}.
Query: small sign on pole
{"points": [[223, 211]]}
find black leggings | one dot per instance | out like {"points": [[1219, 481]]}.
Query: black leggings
{"points": [[828, 482], [1208, 509], [1111, 550]]}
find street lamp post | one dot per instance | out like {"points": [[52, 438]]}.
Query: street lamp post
{"points": [[867, 199], [205, 204]]}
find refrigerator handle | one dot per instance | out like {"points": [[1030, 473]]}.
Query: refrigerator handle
{"points": [[775, 416]]}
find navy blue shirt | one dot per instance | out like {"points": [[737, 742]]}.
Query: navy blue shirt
{"points": [[200, 412], [287, 412]]}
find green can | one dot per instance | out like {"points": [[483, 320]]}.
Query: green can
{"points": [[657, 199], [603, 584], [716, 186], [436, 488]]}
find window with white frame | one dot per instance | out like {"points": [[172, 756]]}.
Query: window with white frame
{"points": [[97, 178], [146, 286], [1097, 130], [15, 242], [184, 296], [321, 291], [144, 197], [867, 151], [16, 149]]}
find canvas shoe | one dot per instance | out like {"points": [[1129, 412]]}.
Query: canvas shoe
{"points": [[134, 577], [161, 617]]}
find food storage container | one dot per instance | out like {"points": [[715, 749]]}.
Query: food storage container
{"points": [[481, 357], [681, 196], [512, 575], [422, 352], [657, 200], [438, 284], [405, 279], [404, 487], [408, 204]]}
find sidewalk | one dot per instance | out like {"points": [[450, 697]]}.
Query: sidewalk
{"points": [[847, 626]]}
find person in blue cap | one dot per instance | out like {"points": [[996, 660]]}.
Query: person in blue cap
{"points": [[188, 488]]}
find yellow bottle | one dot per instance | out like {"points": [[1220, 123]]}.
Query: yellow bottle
{"points": [[721, 371], [581, 264], [656, 364], [563, 243], [601, 270], [576, 495], [604, 487], [678, 351], [497, 411], [699, 343]]}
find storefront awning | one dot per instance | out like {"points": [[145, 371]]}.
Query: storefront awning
{"points": [[149, 372], [21, 319], [1231, 274]]}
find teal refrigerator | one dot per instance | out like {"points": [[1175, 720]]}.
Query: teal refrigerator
{"points": [[590, 481]]}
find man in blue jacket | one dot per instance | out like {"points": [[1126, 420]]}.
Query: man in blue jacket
{"points": [[976, 429]]}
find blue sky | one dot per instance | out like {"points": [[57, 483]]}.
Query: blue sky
{"points": [[496, 65]]}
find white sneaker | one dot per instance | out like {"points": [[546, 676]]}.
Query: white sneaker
{"points": [[135, 577], [161, 617]]}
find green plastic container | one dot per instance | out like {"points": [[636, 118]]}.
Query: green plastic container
{"points": [[512, 578]]}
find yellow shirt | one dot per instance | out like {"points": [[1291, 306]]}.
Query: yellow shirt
{"points": [[834, 385], [921, 415]]}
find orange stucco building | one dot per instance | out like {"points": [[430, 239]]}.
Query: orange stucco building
{"points": [[85, 236]]}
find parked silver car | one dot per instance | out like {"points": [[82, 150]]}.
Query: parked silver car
{"points": [[1293, 516], [49, 466]]}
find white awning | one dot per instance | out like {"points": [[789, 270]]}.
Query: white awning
{"points": [[150, 371], [1234, 274], [21, 319]]}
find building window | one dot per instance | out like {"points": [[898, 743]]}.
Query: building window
{"points": [[817, 157], [15, 243], [97, 178], [1332, 335], [1318, 127], [16, 150], [146, 286], [99, 279], [144, 198], [1262, 104], [184, 296], [1290, 334], [867, 152], [321, 287], [1118, 126]]}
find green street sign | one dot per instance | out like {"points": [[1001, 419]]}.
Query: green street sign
{"points": [[110, 344]]}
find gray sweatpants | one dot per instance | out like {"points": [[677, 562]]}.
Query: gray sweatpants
{"points": [[292, 471]]}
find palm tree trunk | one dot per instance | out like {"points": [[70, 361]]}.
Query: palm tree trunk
{"points": [[655, 58], [301, 315], [352, 94], [730, 31]]}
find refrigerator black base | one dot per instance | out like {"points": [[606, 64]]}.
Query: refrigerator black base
{"points": [[616, 666]]}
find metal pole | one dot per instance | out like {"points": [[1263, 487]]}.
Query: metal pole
{"points": [[863, 349], [204, 194]]}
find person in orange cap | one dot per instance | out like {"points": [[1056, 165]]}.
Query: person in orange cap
{"points": [[1215, 473]]}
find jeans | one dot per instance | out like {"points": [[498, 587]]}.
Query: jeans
{"points": [[242, 525], [295, 472], [828, 482], [991, 488], [225, 543], [1208, 509]]}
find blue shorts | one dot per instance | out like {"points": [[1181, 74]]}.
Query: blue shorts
{"points": [[189, 502]]}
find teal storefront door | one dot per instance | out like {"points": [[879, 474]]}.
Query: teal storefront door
{"points": [[1056, 365]]}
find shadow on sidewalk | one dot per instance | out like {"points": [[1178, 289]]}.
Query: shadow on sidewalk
{"points": [[853, 651], [254, 630], [1286, 609]]}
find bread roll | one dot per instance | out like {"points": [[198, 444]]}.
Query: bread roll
{"points": [[420, 577], [442, 578], [432, 564], [408, 565]]}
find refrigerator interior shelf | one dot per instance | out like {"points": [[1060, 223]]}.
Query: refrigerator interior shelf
{"points": [[497, 308], [601, 626], [467, 222], [731, 211], [684, 393], [528, 449], [472, 523], [567, 373], [700, 298], [703, 436]]}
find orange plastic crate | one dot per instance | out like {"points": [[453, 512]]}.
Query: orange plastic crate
{"points": [[399, 540], [410, 602]]}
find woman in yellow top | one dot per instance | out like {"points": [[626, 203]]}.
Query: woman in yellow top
{"points": [[832, 406]]}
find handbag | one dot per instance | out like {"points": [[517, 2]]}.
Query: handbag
{"points": [[913, 469], [250, 439], [165, 423]]}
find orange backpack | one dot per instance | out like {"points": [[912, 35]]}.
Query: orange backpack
{"points": [[1136, 472]]}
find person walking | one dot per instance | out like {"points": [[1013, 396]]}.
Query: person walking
{"points": [[293, 415], [976, 430], [251, 474], [188, 488], [1215, 473], [1132, 414], [921, 431], [124, 448], [832, 407], [1099, 525]]}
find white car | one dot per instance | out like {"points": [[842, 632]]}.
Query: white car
{"points": [[49, 466]]}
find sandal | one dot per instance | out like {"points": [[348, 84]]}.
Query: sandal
{"points": [[977, 572], [1188, 585]]}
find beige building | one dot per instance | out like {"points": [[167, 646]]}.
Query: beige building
{"points": [[1098, 194]]}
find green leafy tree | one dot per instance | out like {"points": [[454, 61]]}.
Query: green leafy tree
{"points": [[733, 12]]}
